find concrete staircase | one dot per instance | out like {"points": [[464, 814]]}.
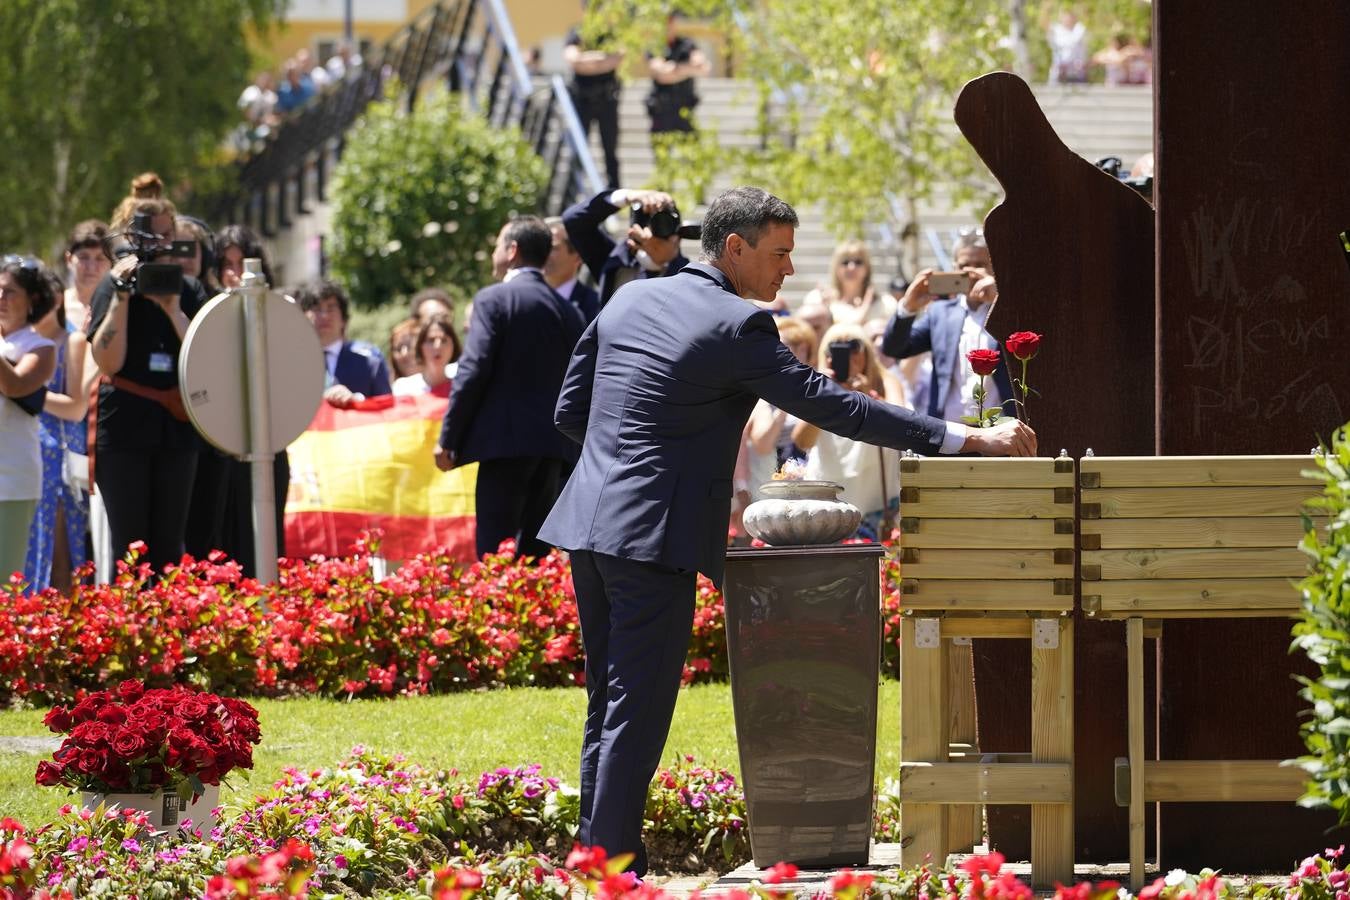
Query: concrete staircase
{"points": [[1094, 121]]}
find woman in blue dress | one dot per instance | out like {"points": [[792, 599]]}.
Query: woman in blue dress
{"points": [[56, 541]]}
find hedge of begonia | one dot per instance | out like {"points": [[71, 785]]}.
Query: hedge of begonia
{"points": [[375, 826], [325, 627]]}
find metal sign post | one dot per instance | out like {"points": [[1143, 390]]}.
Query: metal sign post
{"points": [[254, 288], [251, 372]]}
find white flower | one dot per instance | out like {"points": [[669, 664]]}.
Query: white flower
{"points": [[1176, 877]]}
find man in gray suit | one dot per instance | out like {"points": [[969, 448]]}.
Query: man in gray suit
{"points": [[657, 393]]}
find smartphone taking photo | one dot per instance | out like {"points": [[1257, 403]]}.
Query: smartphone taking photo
{"points": [[947, 284], [840, 354]]}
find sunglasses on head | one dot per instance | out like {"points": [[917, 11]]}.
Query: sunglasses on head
{"points": [[24, 262]]}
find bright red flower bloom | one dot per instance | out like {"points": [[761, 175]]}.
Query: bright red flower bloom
{"points": [[1023, 344], [983, 362], [780, 873]]}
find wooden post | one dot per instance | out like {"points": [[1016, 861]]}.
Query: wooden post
{"points": [[1052, 842], [924, 723], [1134, 648], [965, 821]]}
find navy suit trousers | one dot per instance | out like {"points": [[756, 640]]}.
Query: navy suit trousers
{"points": [[636, 618], [511, 498]]}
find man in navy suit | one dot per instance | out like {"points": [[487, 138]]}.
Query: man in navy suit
{"points": [[562, 269], [657, 393], [501, 404], [615, 263], [950, 328], [356, 370]]}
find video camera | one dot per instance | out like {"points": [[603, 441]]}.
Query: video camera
{"points": [[1143, 184], [664, 223], [151, 277]]}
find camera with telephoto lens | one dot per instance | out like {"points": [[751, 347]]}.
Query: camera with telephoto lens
{"points": [[664, 223], [152, 276], [1113, 166]]}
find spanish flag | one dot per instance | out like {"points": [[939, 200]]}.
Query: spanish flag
{"points": [[370, 467]]}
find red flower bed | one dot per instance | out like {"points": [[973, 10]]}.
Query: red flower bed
{"points": [[327, 626]]}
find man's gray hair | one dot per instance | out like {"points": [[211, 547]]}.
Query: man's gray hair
{"points": [[969, 237], [746, 211]]}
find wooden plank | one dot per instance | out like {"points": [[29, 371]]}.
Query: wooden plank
{"points": [[993, 534], [984, 595], [1190, 471], [962, 472], [923, 738], [1134, 692], [1220, 781], [1052, 842], [1039, 783], [986, 503], [1149, 596], [1249, 531], [988, 564], [985, 627], [1226, 563], [1185, 502]]}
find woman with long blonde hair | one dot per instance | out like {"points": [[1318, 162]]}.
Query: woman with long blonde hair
{"points": [[850, 295], [870, 474]]}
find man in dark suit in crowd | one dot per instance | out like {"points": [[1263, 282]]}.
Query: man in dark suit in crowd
{"points": [[501, 405], [356, 370], [562, 269], [951, 327], [615, 263], [657, 393]]}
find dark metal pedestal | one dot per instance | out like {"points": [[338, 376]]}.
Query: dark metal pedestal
{"points": [[804, 638]]}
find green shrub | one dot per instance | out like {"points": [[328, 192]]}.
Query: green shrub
{"points": [[1324, 634], [419, 197]]}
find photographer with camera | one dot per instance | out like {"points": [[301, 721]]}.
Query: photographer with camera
{"points": [[146, 448], [651, 248]]}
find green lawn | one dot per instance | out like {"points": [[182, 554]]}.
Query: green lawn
{"points": [[471, 732]]}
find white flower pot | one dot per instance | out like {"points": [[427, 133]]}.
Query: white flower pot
{"points": [[794, 513], [166, 810]]}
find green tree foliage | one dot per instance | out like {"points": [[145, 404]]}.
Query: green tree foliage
{"points": [[94, 92], [1324, 634], [419, 197]]}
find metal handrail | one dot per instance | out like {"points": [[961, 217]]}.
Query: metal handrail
{"points": [[450, 40]]}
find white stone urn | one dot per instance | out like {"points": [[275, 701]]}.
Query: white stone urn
{"points": [[793, 513]]}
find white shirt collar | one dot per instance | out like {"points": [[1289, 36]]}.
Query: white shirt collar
{"points": [[565, 289], [516, 272], [334, 347]]}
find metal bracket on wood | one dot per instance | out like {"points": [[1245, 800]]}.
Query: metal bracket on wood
{"points": [[1045, 634], [927, 633], [960, 641]]}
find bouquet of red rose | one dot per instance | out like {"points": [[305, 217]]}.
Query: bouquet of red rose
{"points": [[134, 739]]}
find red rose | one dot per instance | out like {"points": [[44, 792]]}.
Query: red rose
{"points": [[128, 744], [58, 720], [112, 714], [1023, 344], [130, 690], [984, 362], [49, 774], [192, 709], [87, 733]]}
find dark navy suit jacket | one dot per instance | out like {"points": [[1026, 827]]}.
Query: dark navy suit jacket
{"points": [[939, 330], [501, 403], [603, 255], [360, 369], [586, 299], [658, 392]]}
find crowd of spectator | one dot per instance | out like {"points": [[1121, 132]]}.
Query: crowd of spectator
{"points": [[1123, 60], [274, 95]]}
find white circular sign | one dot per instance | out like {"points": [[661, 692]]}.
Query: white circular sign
{"points": [[212, 371]]}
